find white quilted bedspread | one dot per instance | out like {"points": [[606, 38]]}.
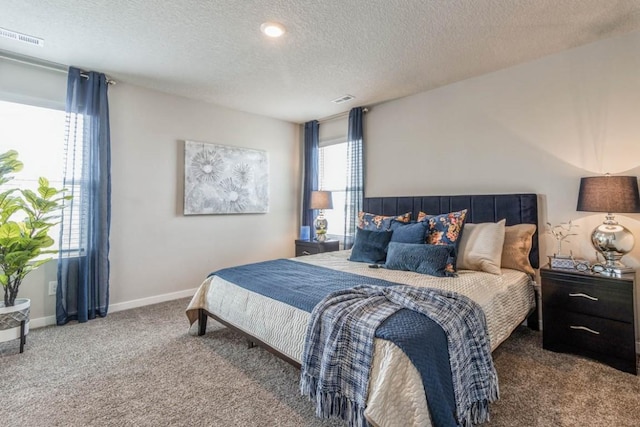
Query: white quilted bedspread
{"points": [[396, 395]]}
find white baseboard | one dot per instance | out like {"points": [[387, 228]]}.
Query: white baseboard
{"points": [[41, 322], [120, 306], [151, 300]]}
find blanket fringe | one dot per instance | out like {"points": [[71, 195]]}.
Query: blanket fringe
{"points": [[478, 413], [332, 404], [308, 386]]}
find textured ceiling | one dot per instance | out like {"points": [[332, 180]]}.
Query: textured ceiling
{"points": [[375, 50]]}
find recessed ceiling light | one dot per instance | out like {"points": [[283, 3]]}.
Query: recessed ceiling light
{"points": [[272, 29]]}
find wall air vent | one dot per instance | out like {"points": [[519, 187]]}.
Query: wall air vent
{"points": [[19, 37], [343, 99]]}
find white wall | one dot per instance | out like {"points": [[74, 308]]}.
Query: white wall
{"points": [[537, 127], [155, 250]]}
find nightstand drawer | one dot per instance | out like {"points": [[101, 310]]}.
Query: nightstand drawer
{"points": [[304, 247], [608, 341], [565, 329], [306, 250], [610, 302], [591, 315]]}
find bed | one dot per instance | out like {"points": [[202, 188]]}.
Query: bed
{"points": [[396, 395]]}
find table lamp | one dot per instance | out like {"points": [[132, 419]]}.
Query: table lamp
{"points": [[321, 200], [610, 194]]}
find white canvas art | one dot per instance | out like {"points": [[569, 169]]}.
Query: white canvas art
{"points": [[221, 179]]}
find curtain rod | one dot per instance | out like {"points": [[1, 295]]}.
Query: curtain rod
{"points": [[49, 65], [337, 116]]}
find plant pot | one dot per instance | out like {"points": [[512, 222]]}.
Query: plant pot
{"points": [[11, 319]]}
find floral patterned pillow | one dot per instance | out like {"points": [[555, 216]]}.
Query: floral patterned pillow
{"points": [[445, 229], [373, 222]]}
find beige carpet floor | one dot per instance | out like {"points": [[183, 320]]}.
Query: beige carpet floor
{"points": [[142, 368]]}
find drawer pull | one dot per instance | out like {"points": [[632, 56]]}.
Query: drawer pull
{"points": [[584, 328], [306, 253], [584, 296]]}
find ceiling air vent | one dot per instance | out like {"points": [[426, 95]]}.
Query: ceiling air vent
{"points": [[343, 99], [19, 37]]}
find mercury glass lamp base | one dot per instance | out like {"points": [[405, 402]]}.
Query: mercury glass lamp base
{"points": [[613, 241], [321, 224], [616, 270]]}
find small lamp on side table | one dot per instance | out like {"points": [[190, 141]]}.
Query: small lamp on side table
{"points": [[321, 200], [610, 194]]}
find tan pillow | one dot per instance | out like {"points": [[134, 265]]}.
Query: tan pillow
{"points": [[517, 245], [481, 247]]}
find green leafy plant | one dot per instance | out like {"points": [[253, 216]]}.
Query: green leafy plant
{"points": [[23, 242]]}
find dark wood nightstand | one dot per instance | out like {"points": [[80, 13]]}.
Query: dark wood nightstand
{"points": [[307, 247], [591, 315]]}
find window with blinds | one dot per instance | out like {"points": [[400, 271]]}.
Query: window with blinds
{"points": [[332, 176], [38, 135], [74, 236]]}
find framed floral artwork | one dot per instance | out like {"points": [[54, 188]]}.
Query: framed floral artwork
{"points": [[223, 179]]}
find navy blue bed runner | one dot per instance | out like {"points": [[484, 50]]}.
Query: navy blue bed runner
{"points": [[304, 285]]}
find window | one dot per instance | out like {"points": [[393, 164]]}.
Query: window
{"points": [[37, 134], [332, 176]]}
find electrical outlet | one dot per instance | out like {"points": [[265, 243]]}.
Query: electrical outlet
{"points": [[53, 287]]}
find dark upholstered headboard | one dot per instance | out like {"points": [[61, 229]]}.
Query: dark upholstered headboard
{"points": [[515, 208]]}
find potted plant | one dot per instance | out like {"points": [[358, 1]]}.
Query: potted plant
{"points": [[26, 218]]}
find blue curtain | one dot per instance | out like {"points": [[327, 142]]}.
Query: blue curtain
{"points": [[310, 183], [355, 176], [83, 262]]}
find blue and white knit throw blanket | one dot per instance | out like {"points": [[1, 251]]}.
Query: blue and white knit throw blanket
{"points": [[339, 348]]}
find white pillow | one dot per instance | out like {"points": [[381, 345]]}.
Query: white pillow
{"points": [[481, 247]]}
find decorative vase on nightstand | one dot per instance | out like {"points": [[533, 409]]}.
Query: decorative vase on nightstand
{"points": [[561, 232]]}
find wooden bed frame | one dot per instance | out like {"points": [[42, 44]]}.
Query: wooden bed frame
{"points": [[515, 208]]}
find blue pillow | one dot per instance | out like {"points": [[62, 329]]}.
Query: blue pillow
{"points": [[421, 258], [370, 246], [414, 232], [445, 229], [369, 221]]}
